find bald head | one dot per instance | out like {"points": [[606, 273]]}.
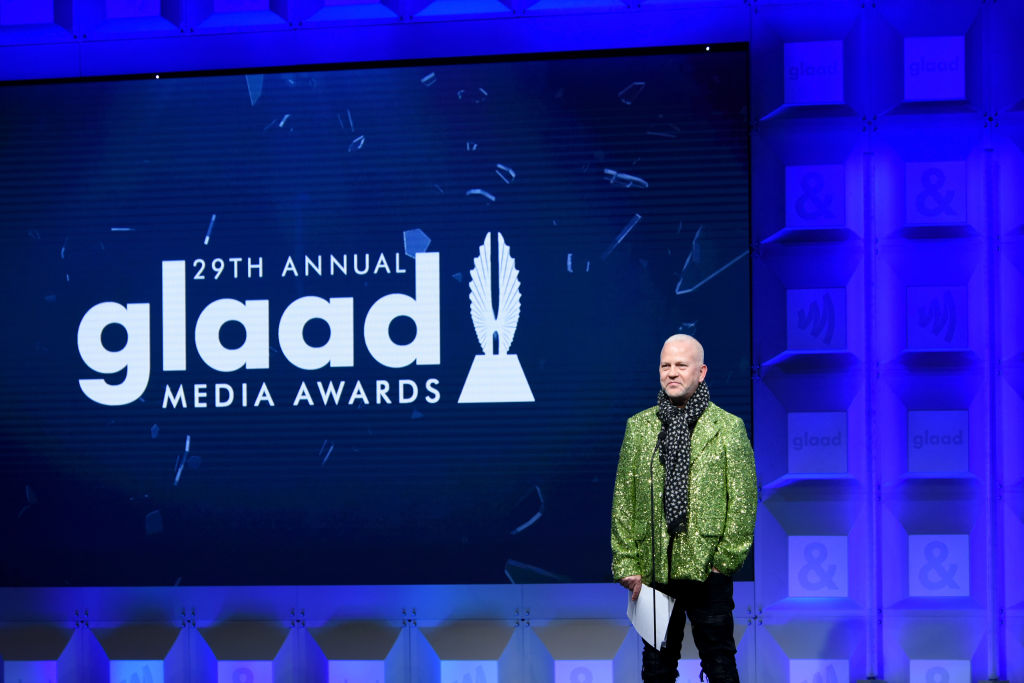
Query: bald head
{"points": [[689, 342]]}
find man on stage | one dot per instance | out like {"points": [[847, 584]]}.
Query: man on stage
{"points": [[683, 512]]}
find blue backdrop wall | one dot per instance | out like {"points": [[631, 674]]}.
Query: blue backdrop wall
{"points": [[888, 263]]}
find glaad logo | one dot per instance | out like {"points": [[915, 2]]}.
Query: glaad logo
{"points": [[820, 319], [815, 196], [805, 69], [938, 440], [933, 68], [928, 438], [826, 676], [939, 670], [133, 358], [936, 193], [495, 376], [939, 315], [925, 65], [817, 440], [814, 72], [819, 670]]}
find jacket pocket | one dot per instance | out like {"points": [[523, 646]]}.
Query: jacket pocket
{"points": [[711, 526]]}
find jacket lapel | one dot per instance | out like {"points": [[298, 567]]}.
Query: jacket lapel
{"points": [[705, 430], [653, 427]]}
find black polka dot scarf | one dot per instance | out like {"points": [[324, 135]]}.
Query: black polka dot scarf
{"points": [[677, 425]]}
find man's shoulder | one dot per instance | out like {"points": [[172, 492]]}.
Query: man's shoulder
{"points": [[644, 416], [721, 416], [718, 412]]}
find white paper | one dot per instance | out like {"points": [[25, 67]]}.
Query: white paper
{"points": [[651, 608]]}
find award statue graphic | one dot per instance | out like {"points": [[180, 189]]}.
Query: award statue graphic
{"points": [[495, 376]]}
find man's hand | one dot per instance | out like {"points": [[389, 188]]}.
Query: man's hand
{"points": [[632, 584]]}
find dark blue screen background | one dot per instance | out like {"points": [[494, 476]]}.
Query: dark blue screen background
{"points": [[346, 162]]}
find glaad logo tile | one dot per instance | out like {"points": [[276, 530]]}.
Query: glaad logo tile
{"points": [[819, 670], [124, 671], [939, 565], [817, 443], [583, 671], [936, 193], [818, 567], [815, 196], [814, 72], [939, 318], [816, 319], [937, 440], [356, 670], [939, 670], [245, 672], [936, 318], [29, 670], [496, 375], [690, 671], [469, 671], [933, 68]]}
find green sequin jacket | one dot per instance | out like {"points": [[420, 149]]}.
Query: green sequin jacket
{"points": [[723, 500]]}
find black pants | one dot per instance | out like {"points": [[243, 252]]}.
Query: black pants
{"points": [[708, 605]]}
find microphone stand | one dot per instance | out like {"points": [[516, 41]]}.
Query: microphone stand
{"points": [[654, 603]]}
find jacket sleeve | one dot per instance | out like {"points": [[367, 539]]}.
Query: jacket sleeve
{"points": [[625, 553], [741, 503]]}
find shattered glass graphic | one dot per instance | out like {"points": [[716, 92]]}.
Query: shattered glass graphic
{"points": [[154, 523], [477, 192], [624, 179], [209, 229], [534, 497], [707, 260], [416, 242], [357, 143], [254, 83], [622, 235], [506, 174], [632, 91], [325, 451]]}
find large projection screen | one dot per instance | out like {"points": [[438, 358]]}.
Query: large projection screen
{"points": [[381, 324]]}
